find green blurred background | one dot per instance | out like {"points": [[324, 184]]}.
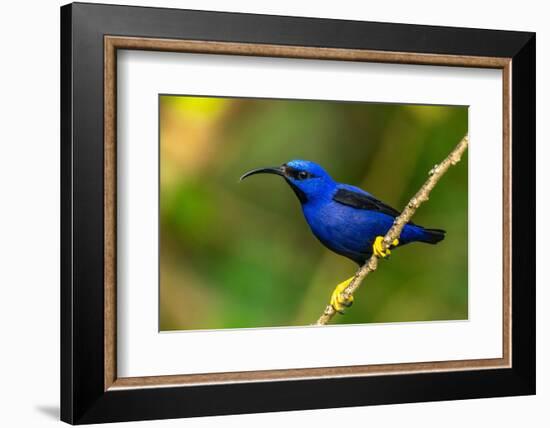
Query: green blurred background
{"points": [[236, 255]]}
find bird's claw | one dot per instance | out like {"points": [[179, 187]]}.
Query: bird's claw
{"points": [[338, 300], [378, 248]]}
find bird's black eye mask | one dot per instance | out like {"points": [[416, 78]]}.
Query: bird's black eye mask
{"points": [[297, 174]]}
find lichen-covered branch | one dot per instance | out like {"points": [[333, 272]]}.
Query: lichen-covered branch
{"points": [[395, 231]]}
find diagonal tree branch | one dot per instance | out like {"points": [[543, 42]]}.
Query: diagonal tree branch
{"points": [[395, 231]]}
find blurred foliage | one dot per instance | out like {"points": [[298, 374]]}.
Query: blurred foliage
{"points": [[239, 255]]}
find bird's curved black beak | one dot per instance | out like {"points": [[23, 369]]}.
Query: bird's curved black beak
{"points": [[277, 170]]}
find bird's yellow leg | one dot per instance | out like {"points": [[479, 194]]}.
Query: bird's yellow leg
{"points": [[337, 301], [378, 249]]}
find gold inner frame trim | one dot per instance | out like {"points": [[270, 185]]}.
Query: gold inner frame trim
{"points": [[113, 43]]}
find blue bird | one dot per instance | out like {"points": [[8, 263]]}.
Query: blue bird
{"points": [[346, 219]]}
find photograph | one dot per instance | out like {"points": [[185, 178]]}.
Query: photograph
{"points": [[271, 210], [269, 206]]}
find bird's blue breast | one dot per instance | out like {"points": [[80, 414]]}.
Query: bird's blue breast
{"points": [[350, 231]]}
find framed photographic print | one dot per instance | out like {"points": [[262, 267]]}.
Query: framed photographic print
{"points": [[265, 213]]}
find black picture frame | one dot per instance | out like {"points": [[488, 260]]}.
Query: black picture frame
{"points": [[83, 396]]}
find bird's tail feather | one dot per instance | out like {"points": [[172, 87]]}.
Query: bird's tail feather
{"points": [[433, 236]]}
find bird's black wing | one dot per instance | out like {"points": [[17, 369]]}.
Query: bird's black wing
{"points": [[363, 201]]}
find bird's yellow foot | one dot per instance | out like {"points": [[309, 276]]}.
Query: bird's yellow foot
{"points": [[337, 300], [379, 250]]}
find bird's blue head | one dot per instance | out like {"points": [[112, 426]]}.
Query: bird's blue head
{"points": [[309, 181]]}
